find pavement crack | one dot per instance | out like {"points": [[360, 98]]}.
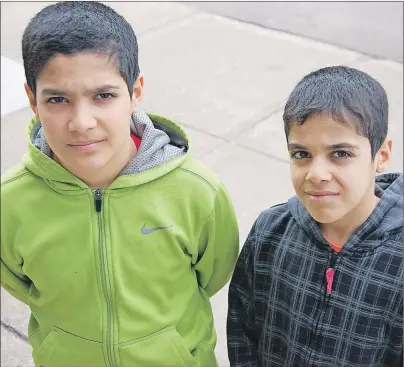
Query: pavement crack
{"points": [[168, 23], [265, 116], [198, 129], [14, 331]]}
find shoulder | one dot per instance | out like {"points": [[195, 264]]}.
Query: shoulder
{"points": [[393, 242], [18, 192], [274, 219], [13, 173], [195, 173], [15, 178], [198, 190], [274, 227]]}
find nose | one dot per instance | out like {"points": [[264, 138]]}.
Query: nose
{"points": [[318, 171], [82, 119]]}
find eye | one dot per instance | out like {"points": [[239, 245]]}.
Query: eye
{"points": [[56, 100], [301, 154], [341, 154], [105, 96]]}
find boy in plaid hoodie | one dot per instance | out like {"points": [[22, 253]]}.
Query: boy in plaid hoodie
{"points": [[319, 281]]}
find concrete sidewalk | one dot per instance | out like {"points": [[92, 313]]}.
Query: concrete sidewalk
{"points": [[227, 83]]}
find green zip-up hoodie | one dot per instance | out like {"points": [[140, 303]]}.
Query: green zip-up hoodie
{"points": [[122, 276]]}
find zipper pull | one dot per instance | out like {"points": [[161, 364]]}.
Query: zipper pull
{"points": [[330, 272], [98, 200], [329, 275]]}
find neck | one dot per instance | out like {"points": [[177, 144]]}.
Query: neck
{"points": [[102, 178], [341, 230]]}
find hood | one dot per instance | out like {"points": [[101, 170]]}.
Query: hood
{"points": [[385, 220], [163, 141]]}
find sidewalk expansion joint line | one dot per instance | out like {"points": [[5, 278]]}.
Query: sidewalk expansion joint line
{"points": [[14, 331], [168, 23]]}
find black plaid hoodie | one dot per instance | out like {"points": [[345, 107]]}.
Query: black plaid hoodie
{"points": [[280, 313]]}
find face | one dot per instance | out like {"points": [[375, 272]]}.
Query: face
{"points": [[85, 108], [331, 168]]}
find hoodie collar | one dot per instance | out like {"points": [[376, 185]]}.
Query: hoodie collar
{"points": [[385, 218], [162, 141]]}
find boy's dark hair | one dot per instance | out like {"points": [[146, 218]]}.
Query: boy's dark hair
{"points": [[76, 26], [340, 90]]}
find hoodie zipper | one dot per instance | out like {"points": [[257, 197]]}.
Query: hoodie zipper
{"points": [[329, 275], [104, 279], [329, 280]]}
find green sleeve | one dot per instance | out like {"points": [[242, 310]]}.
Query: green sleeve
{"points": [[12, 278], [218, 245]]}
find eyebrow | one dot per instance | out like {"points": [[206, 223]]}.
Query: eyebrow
{"points": [[50, 91], [293, 146], [344, 146], [101, 89], [106, 87]]}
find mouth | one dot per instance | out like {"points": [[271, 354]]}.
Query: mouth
{"points": [[85, 145], [321, 195]]}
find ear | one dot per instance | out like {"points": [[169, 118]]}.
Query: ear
{"points": [[137, 93], [383, 156], [32, 100]]}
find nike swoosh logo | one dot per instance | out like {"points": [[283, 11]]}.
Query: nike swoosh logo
{"points": [[144, 230]]}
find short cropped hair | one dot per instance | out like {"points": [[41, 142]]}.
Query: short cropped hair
{"points": [[341, 91], [76, 26]]}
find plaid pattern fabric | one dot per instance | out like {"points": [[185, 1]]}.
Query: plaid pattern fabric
{"points": [[279, 311]]}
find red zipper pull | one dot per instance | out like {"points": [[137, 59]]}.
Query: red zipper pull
{"points": [[329, 275]]}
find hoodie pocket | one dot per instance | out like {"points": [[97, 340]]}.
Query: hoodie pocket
{"points": [[63, 349], [165, 348]]}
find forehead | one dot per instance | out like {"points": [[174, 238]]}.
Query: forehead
{"points": [[79, 69], [324, 129]]}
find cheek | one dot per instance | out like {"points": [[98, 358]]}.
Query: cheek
{"points": [[355, 177], [353, 188], [55, 130], [54, 122], [56, 140], [297, 175], [118, 129]]}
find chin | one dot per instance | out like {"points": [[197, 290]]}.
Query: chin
{"points": [[324, 217], [89, 164]]}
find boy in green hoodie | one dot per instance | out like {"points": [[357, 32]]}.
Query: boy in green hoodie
{"points": [[112, 234]]}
